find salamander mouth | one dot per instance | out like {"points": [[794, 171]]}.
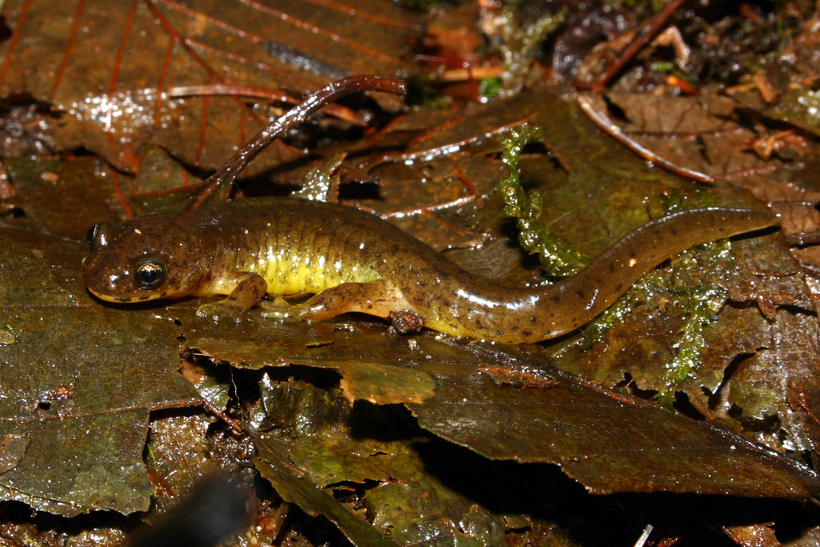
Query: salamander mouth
{"points": [[119, 299]]}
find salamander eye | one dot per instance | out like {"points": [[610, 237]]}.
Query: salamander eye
{"points": [[99, 234], [150, 271]]}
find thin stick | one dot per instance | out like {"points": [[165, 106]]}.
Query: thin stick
{"points": [[218, 185], [644, 36]]}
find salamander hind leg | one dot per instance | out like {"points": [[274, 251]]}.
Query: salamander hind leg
{"points": [[249, 288], [374, 298]]}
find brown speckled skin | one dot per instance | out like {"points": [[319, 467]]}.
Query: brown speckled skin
{"points": [[358, 262]]}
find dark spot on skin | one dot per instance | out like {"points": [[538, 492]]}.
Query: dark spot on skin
{"points": [[556, 299], [611, 266], [231, 298], [618, 288], [532, 319], [580, 294], [527, 333], [674, 231], [632, 254], [142, 298]]}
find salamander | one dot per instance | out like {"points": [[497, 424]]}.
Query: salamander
{"points": [[353, 261]]}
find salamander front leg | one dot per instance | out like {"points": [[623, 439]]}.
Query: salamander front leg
{"points": [[247, 291], [375, 298]]}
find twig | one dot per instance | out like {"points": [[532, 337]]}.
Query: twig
{"points": [[218, 185], [645, 35]]}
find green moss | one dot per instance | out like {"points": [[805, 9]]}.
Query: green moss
{"points": [[517, 45], [490, 87], [698, 302], [558, 257], [322, 183]]}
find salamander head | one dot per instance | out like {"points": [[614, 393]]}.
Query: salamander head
{"points": [[149, 257]]}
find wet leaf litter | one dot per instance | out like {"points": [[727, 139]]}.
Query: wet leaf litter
{"points": [[307, 408]]}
